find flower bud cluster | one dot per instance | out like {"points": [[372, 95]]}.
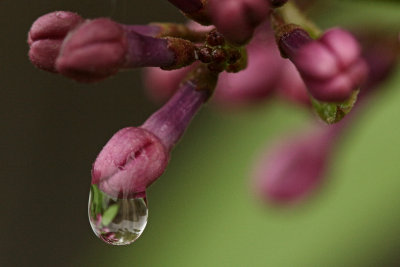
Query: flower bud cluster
{"points": [[266, 74], [244, 50]]}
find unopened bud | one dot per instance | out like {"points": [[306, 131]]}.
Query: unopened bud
{"points": [[237, 19], [46, 36], [331, 67], [100, 48], [295, 167], [132, 160]]}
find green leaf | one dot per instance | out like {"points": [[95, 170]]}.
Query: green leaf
{"points": [[334, 112], [109, 214], [97, 201]]}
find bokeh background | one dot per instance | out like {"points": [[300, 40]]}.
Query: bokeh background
{"points": [[202, 211]]}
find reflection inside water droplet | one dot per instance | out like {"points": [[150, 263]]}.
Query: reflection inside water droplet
{"points": [[116, 221]]}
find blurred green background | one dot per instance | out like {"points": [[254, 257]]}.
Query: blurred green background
{"points": [[202, 211]]}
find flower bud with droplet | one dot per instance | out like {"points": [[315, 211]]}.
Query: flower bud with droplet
{"points": [[135, 157], [131, 160]]}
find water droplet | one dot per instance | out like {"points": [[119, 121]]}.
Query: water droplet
{"points": [[116, 221]]}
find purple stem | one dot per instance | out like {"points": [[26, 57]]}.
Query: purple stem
{"points": [[145, 51], [187, 6], [170, 122]]}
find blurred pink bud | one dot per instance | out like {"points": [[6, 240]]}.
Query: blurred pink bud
{"points": [[251, 85], [381, 54], [237, 19], [295, 167], [162, 84], [46, 36], [256, 82], [331, 67], [132, 160], [291, 86]]}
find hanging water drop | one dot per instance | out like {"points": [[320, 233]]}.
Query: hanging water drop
{"points": [[116, 221]]}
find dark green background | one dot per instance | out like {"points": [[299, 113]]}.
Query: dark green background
{"points": [[202, 211]]}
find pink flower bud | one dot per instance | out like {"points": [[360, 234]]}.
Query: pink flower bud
{"points": [[237, 19], [132, 160], [295, 167], [256, 82], [99, 48], [135, 157], [91, 50], [331, 67], [46, 36], [94, 51]]}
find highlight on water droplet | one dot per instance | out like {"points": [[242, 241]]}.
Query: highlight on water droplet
{"points": [[116, 221]]}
